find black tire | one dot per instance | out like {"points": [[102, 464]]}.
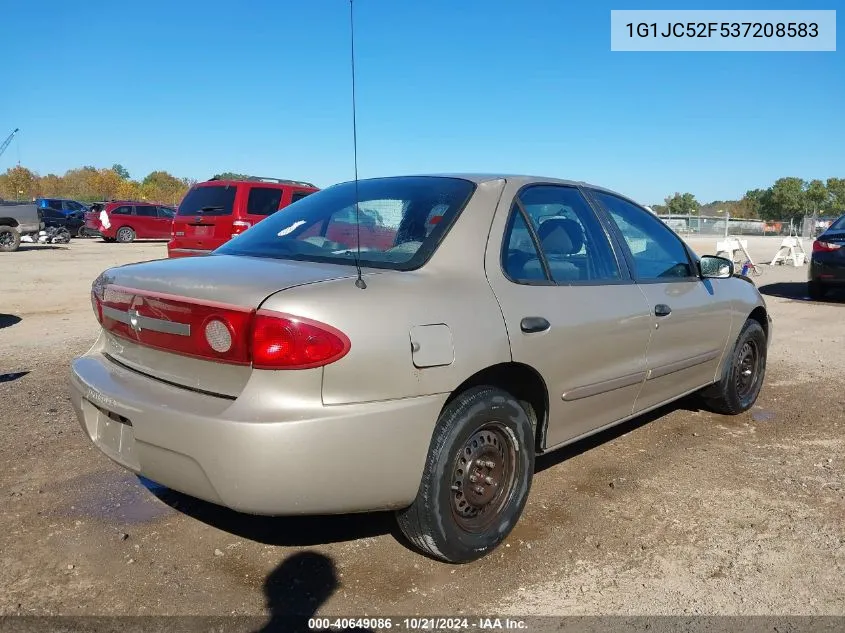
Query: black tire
{"points": [[483, 435], [80, 232], [10, 239], [816, 290], [125, 234], [738, 389]]}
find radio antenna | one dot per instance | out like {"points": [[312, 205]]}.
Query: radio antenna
{"points": [[359, 282]]}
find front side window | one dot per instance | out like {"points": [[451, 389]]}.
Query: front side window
{"points": [[657, 251], [166, 212], [567, 240], [398, 223], [263, 200], [299, 195]]}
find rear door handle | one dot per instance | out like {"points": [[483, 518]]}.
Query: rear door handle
{"points": [[529, 325], [661, 310]]}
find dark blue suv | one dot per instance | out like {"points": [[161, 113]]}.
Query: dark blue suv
{"points": [[62, 205]]}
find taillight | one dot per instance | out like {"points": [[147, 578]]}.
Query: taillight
{"points": [[282, 341], [239, 226], [825, 247], [219, 332]]}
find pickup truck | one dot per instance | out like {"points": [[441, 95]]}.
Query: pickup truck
{"points": [[17, 219]]}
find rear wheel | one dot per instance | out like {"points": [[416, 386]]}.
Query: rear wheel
{"points": [[816, 290], [742, 377], [10, 239], [80, 232], [125, 234], [476, 479]]}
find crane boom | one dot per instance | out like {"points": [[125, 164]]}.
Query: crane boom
{"points": [[8, 140]]}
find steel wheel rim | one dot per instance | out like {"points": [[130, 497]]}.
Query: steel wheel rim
{"points": [[747, 368], [484, 477]]}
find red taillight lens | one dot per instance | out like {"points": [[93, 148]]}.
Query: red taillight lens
{"points": [[281, 341], [218, 332], [183, 326], [239, 226], [825, 247]]}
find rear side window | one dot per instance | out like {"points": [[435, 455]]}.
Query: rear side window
{"points": [[299, 195], [124, 210], [263, 200], [207, 201], [566, 239], [149, 212]]}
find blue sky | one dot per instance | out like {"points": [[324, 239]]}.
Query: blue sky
{"points": [[526, 86]]}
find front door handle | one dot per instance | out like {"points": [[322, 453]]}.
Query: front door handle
{"points": [[529, 325], [661, 310]]}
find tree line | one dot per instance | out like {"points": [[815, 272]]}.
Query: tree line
{"points": [[90, 184], [788, 198]]}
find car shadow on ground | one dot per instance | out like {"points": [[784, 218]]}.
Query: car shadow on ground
{"points": [[290, 531], [29, 246], [8, 320], [797, 291], [12, 376], [296, 589], [306, 531]]}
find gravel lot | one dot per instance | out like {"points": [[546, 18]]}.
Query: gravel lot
{"points": [[682, 512]]}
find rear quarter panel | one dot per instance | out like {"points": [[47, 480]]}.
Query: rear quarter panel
{"points": [[450, 289]]}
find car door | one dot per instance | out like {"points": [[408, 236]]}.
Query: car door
{"points": [[571, 309], [146, 221], [691, 316], [164, 222]]}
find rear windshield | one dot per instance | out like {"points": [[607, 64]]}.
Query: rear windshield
{"points": [[838, 224], [400, 223], [211, 200]]}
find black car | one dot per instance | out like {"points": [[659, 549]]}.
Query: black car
{"points": [[827, 262], [73, 221]]}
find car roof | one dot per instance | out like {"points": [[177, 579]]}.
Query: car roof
{"points": [[519, 179]]}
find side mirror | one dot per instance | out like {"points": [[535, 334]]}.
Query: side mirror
{"points": [[713, 267]]}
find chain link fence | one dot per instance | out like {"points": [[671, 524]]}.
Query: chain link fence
{"points": [[719, 225]]}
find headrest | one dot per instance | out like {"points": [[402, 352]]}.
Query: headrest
{"points": [[561, 236]]}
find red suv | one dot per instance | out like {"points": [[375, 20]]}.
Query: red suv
{"points": [[215, 211], [127, 221]]}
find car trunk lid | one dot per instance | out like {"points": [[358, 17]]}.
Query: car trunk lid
{"points": [[155, 315]]}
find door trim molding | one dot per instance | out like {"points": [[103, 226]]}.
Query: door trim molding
{"points": [[596, 388], [680, 365]]}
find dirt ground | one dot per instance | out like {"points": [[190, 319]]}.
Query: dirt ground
{"points": [[683, 512]]}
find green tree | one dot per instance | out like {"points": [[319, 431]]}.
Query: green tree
{"points": [[230, 175], [682, 204], [836, 191], [787, 199], [817, 196], [121, 171]]}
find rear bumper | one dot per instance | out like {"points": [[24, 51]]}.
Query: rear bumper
{"points": [[310, 459], [827, 271]]}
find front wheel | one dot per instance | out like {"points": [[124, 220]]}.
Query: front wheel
{"points": [[476, 479], [742, 377]]}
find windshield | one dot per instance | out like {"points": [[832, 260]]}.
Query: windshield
{"points": [[838, 224], [208, 200], [401, 222]]}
